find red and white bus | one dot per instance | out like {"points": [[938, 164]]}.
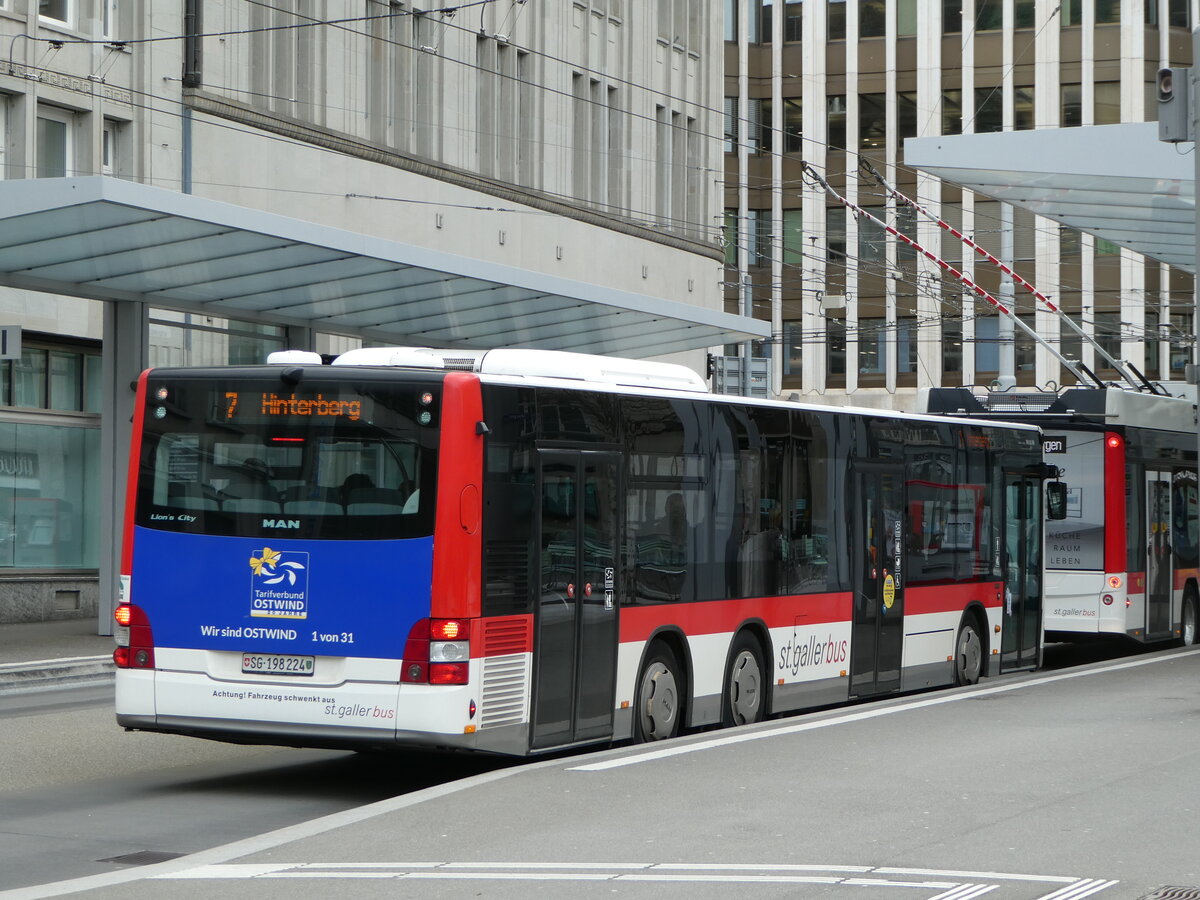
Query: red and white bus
{"points": [[521, 551], [1125, 560]]}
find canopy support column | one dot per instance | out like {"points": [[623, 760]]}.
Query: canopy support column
{"points": [[126, 356]]}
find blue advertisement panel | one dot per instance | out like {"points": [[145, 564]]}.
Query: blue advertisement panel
{"points": [[272, 595]]}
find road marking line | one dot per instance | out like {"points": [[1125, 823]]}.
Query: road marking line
{"points": [[760, 733], [966, 892], [979, 876], [1084, 888]]}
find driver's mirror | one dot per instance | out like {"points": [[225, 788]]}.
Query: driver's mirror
{"points": [[1056, 500]]}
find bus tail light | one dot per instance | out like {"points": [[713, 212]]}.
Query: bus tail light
{"points": [[134, 637], [437, 652]]}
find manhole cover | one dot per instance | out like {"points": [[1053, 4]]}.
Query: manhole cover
{"points": [[145, 858], [1174, 893]]}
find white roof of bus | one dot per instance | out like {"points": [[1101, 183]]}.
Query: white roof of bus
{"points": [[580, 371]]}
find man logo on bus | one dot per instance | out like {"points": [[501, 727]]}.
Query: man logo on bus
{"points": [[279, 584]]}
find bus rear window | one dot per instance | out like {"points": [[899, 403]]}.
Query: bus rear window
{"points": [[334, 462]]}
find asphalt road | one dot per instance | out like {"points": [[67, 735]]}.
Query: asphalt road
{"points": [[1060, 784]]}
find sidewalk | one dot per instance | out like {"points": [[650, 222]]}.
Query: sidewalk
{"points": [[44, 654]]}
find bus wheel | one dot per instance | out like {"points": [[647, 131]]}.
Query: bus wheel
{"points": [[659, 705], [968, 653], [745, 698], [1187, 627]]}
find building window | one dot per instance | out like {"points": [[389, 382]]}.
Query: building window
{"points": [[872, 121], [731, 124], [952, 337], [1108, 12], [759, 231], [793, 125], [987, 344], [837, 20], [793, 237], [1071, 104], [1179, 14], [1023, 108], [835, 346], [793, 348], [49, 502], [989, 109], [872, 18], [872, 346], [109, 21], [1108, 103], [1071, 12], [1181, 335], [1107, 331], [110, 148], [730, 235], [765, 124], [906, 18], [1070, 241], [989, 15], [1023, 13], [731, 20], [952, 116], [54, 156], [951, 17], [835, 232], [906, 114], [836, 115], [56, 11], [872, 239], [793, 20], [906, 345], [45, 378]]}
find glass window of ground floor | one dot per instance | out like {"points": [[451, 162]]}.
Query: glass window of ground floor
{"points": [[49, 495]]}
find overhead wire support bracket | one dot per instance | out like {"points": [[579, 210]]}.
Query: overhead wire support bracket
{"points": [[1120, 366], [1071, 365]]}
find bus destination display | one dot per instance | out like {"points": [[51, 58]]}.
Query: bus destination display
{"points": [[266, 406]]}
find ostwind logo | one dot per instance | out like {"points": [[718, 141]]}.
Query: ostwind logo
{"points": [[279, 584]]}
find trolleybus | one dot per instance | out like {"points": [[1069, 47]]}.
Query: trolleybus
{"points": [[1125, 559], [521, 551]]}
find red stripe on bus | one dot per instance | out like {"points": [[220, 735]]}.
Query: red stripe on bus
{"points": [[457, 539], [131, 476], [951, 597], [1114, 499], [719, 616], [1183, 576]]}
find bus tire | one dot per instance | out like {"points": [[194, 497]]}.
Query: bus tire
{"points": [[745, 697], [1188, 619], [659, 707], [968, 652]]}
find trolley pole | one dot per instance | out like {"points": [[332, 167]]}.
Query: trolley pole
{"points": [[747, 346]]}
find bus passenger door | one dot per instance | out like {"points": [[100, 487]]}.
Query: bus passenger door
{"points": [[1158, 554], [877, 639], [1021, 561], [575, 637]]}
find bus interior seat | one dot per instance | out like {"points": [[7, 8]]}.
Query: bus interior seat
{"points": [[251, 505], [313, 507], [188, 495]]}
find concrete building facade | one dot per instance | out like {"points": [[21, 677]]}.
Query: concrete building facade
{"points": [[577, 139], [860, 316]]}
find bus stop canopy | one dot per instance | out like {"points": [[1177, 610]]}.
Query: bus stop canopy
{"points": [[1117, 182], [108, 239]]}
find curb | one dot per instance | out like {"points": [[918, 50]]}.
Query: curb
{"points": [[48, 673]]}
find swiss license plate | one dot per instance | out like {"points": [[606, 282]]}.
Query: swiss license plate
{"points": [[277, 664]]}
